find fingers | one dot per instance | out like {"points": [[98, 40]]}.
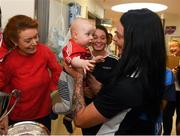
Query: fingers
{"points": [[89, 65], [92, 62], [98, 59], [85, 70]]}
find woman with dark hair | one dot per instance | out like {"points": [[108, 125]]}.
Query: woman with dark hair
{"points": [[101, 70], [138, 80]]}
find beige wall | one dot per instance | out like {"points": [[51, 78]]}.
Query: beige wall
{"points": [[172, 20]]}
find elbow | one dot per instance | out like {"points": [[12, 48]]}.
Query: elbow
{"points": [[78, 123], [79, 120]]}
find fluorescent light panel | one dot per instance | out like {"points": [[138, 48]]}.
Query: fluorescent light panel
{"points": [[129, 6]]}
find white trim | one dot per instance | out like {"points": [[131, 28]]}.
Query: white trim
{"points": [[111, 126]]}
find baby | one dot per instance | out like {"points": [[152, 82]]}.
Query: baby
{"points": [[77, 55]]}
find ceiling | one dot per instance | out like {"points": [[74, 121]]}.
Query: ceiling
{"points": [[173, 7]]}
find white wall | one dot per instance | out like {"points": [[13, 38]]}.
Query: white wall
{"points": [[58, 15], [13, 7]]}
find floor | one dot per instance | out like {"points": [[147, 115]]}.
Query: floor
{"points": [[59, 129]]}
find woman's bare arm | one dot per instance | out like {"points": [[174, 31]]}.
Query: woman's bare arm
{"points": [[85, 116]]}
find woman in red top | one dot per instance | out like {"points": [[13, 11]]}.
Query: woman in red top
{"points": [[30, 67]]}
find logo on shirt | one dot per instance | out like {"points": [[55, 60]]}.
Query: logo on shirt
{"points": [[106, 67]]}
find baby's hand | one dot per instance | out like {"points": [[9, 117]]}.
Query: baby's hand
{"points": [[88, 65], [98, 59]]}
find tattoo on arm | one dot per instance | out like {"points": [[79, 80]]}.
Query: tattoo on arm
{"points": [[78, 96]]}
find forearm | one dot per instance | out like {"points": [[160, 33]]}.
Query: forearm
{"points": [[77, 62], [85, 116], [79, 94], [55, 70]]}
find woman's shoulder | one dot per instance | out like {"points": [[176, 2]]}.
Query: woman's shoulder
{"points": [[112, 56]]}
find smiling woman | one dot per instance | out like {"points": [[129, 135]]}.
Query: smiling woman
{"points": [[30, 67]]}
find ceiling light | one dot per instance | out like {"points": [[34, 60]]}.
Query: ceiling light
{"points": [[129, 6]]}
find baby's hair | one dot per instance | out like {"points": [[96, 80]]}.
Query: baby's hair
{"points": [[78, 23], [74, 21]]}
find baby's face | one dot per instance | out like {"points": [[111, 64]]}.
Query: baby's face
{"points": [[85, 34]]}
